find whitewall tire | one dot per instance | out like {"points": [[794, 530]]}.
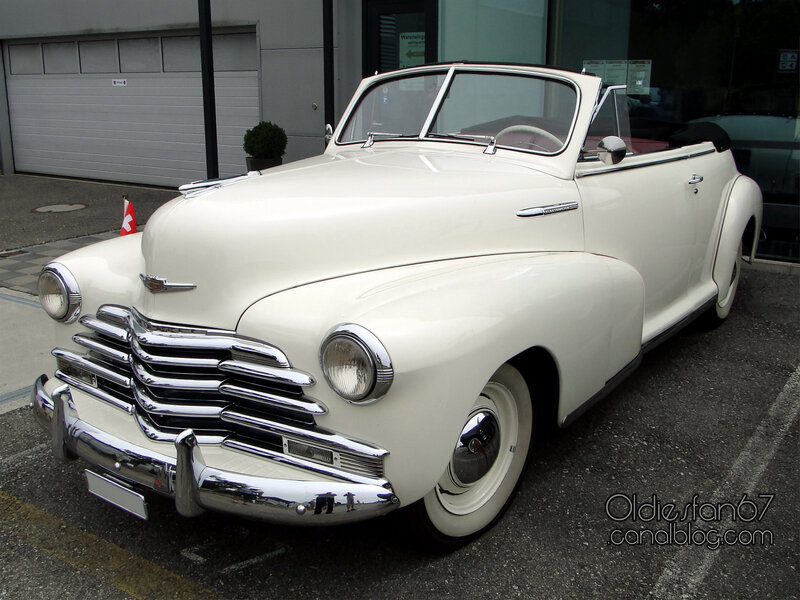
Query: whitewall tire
{"points": [[717, 314], [487, 462]]}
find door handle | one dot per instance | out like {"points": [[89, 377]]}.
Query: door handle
{"points": [[695, 179]]}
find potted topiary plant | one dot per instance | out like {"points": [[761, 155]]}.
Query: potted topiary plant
{"points": [[265, 143]]}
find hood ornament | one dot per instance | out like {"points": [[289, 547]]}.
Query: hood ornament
{"points": [[158, 285]]}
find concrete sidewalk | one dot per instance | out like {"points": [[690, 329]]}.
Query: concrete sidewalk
{"points": [[99, 208]]}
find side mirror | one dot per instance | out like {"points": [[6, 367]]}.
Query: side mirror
{"points": [[328, 132], [611, 150]]}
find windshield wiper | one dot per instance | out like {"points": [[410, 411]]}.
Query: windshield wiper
{"points": [[371, 135], [462, 136], [489, 139]]}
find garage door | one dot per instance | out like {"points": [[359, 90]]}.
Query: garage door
{"points": [[129, 108]]}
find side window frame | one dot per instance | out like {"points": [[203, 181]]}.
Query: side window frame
{"points": [[623, 131]]}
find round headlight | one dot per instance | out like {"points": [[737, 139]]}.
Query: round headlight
{"points": [[355, 364], [58, 293]]}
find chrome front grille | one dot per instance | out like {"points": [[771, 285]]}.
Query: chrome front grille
{"points": [[227, 388]]}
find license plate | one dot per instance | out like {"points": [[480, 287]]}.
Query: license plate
{"points": [[116, 494]]}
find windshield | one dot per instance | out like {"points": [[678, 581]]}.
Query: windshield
{"points": [[398, 107], [521, 112]]}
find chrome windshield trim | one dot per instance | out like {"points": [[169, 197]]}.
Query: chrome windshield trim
{"points": [[434, 110], [306, 465], [276, 375], [538, 211], [307, 405], [81, 362], [442, 93], [331, 440]]}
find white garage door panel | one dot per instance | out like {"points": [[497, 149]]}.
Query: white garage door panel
{"points": [[149, 131]]}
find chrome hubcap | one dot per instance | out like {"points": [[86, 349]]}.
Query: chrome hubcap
{"points": [[477, 448]]}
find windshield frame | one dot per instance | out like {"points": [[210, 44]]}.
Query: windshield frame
{"points": [[425, 135]]}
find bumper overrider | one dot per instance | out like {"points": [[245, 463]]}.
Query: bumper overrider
{"points": [[192, 484]]}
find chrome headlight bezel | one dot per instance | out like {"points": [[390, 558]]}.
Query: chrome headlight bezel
{"points": [[66, 286], [376, 359]]}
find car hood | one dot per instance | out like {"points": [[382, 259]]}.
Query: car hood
{"points": [[340, 214]]}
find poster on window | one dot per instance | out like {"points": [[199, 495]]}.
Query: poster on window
{"points": [[639, 76], [411, 49]]}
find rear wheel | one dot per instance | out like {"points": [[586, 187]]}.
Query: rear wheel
{"points": [[485, 467], [717, 314]]}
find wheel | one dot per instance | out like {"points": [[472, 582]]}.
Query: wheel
{"points": [[532, 130], [485, 467], [717, 314]]}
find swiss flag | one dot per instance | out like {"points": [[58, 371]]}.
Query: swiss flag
{"points": [[128, 217]]}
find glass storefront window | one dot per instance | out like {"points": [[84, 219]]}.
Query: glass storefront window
{"points": [[729, 62]]}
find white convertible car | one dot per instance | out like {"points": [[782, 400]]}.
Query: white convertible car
{"points": [[482, 250]]}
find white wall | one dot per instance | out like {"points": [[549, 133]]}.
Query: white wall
{"points": [[493, 30], [290, 49]]}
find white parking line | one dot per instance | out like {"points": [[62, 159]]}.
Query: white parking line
{"points": [[252, 561], [16, 395], [684, 574], [20, 300]]}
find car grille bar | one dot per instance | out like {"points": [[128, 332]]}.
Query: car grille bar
{"points": [[227, 388]]}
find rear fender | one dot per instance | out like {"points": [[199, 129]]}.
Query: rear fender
{"points": [[744, 204]]}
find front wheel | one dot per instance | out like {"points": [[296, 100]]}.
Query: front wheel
{"points": [[485, 467]]}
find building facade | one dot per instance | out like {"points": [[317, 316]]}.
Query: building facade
{"points": [[112, 90]]}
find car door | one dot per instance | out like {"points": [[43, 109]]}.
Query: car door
{"points": [[641, 211]]}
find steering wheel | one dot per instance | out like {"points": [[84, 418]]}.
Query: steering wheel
{"points": [[533, 131]]}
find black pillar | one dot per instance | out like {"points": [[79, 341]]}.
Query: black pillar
{"points": [[327, 50], [209, 102]]}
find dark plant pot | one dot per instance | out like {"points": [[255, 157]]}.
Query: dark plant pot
{"points": [[258, 164]]}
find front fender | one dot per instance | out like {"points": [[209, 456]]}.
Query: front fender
{"points": [[744, 204], [447, 327]]}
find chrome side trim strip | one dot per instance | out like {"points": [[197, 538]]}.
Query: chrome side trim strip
{"points": [[538, 211], [627, 167], [307, 406], [284, 376], [306, 465], [330, 440]]}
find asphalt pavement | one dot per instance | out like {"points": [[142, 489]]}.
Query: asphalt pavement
{"points": [[702, 441], [37, 209]]}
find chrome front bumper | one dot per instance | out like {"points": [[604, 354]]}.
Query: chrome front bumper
{"points": [[196, 486]]}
